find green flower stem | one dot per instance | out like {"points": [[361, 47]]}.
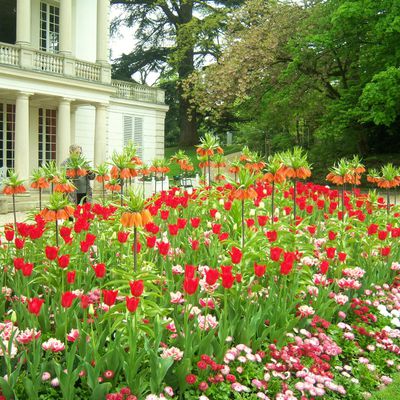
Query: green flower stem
{"points": [[272, 202], [56, 230], [15, 213], [135, 248], [242, 215]]}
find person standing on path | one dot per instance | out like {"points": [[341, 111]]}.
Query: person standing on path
{"points": [[81, 180]]}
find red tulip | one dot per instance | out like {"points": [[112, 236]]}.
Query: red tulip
{"points": [[99, 270], [342, 256], [181, 222], [236, 255], [262, 220], [216, 228], [227, 205], [85, 301], [67, 298], [19, 243], [195, 222], [151, 241], [109, 296], [34, 305], [195, 244], [272, 236], [286, 267], [275, 253], [90, 239], [9, 233], [18, 263], [223, 236], [71, 277], [330, 252], [259, 270], [227, 280], [122, 236], [190, 285], [213, 213], [164, 214], [137, 287], [190, 270], [212, 276], [132, 303], [163, 248], [27, 269], [173, 229], [63, 261], [385, 251], [324, 267], [382, 235], [51, 252], [85, 246], [332, 235], [372, 229]]}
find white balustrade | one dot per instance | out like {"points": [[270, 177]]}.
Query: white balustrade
{"points": [[48, 62], [8, 54], [64, 65], [134, 91], [87, 71]]}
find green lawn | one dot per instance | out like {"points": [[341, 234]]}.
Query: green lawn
{"points": [[391, 392], [191, 152]]}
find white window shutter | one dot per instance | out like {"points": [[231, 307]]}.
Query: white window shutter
{"points": [[128, 132], [138, 137]]}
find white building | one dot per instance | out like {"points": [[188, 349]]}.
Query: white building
{"points": [[56, 87]]}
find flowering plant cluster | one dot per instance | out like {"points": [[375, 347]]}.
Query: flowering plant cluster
{"points": [[257, 288]]}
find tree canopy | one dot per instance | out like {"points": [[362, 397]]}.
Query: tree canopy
{"points": [[174, 37], [311, 73]]}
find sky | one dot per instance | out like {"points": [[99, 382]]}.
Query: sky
{"points": [[123, 42]]}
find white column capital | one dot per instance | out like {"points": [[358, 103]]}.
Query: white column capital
{"points": [[24, 95], [65, 100], [102, 105]]}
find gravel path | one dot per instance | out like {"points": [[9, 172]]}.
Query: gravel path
{"points": [[9, 218]]}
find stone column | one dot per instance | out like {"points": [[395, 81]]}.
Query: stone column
{"points": [[24, 22], [63, 136], [73, 124], [66, 27], [100, 134], [21, 146], [102, 31]]}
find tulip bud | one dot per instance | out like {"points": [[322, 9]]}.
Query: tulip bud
{"points": [[91, 309], [13, 317]]}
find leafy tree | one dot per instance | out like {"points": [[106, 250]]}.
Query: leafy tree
{"points": [[174, 36], [320, 72]]}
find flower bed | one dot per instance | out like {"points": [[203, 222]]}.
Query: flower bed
{"points": [[212, 299]]}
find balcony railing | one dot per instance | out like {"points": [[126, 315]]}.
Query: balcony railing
{"points": [[58, 64], [48, 62], [134, 91], [8, 54]]}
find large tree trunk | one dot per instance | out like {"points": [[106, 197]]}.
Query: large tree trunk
{"points": [[187, 123], [188, 129]]}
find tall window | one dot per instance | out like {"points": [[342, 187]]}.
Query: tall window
{"points": [[8, 21], [47, 135], [7, 135], [49, 27]]}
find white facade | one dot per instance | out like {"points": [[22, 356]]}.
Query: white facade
{"points": [[56, 89]]}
